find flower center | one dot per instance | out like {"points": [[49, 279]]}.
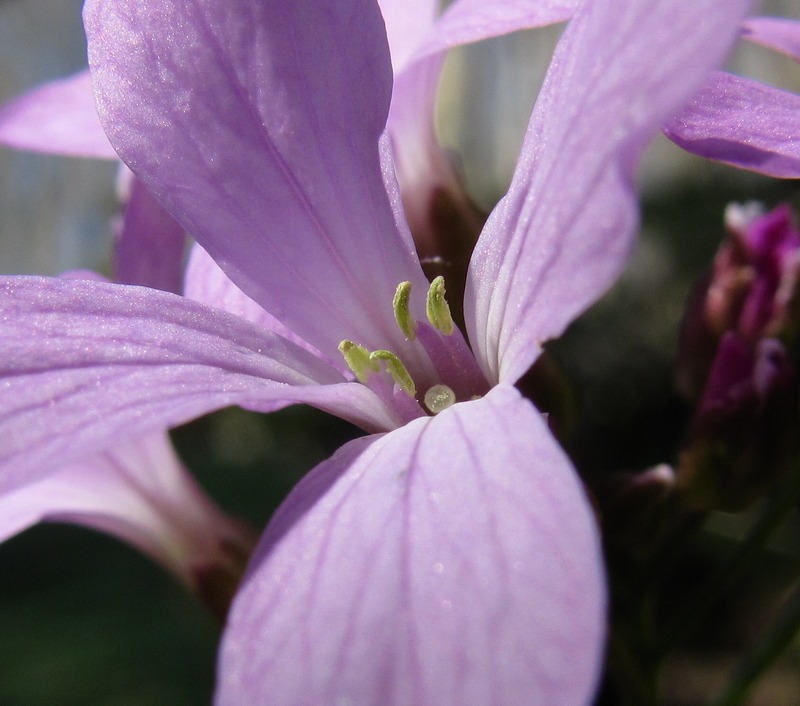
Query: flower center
{"points": [[410, 394]]}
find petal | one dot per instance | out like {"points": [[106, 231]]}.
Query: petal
{"points": [[151, 244], [86, 365], [59, 118], [423, 168], [206, 283], [468, 21], [453, 561], [259, 132], [562, 234], [422, 165], [743, 123], [407, 24], [139, 493], [777, 33]]}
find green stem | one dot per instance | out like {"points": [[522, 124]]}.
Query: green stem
{"points": [[778, 637], [635, 686], [670, 549], [694, 609]]}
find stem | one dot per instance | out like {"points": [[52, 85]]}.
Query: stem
{"points": [[778, 637], [636, 687], [670, 549], [780, 504]]}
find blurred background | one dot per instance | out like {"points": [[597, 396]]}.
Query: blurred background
{"points": [[86, 620]]}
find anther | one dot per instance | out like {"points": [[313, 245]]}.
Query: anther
{"points": [[402, 311], [358, 360], [438, 398], [437, 309], [396, 369]]}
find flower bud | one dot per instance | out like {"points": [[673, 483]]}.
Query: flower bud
{"points": [[738, 361], [636, 507]]}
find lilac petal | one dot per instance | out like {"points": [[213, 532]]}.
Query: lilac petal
{"points": [[562, 234], [407, 24], [743, 123], [139, 493], [423, 168], [206, 283], [777, 33], [86, 365], [259, 132], [467, 21], [151, 244], [453, 561], [58, 118]]}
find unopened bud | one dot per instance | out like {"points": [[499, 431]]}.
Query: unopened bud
{"points": [[636, 507], [752, 288], [737, 360]]}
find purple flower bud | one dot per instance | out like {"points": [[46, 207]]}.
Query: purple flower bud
{"points": [[752, 288], [736, 360]]}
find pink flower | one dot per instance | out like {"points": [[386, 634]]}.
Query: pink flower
{"points": [[451, 557]]}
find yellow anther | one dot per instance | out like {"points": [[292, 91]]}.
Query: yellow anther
{"points": [[437, 308], [358, 360], [402, 312], [396, 369]]}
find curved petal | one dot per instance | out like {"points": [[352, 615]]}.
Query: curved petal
{"points": [[141, 494], [454, 561], [407, 24], [150, 247], [259, 132], [86, 365], [563, 232], [59, 117], [777, 33], [423, 168], [467, 21], [206, 283], [743, 123]]}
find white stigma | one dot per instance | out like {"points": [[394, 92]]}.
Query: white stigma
{"points": [[438, 398]]}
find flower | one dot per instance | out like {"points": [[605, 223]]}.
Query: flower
{"points": [[449, 557], [139, 491]]}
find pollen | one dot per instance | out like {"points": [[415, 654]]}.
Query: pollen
{"points": [[438, 398], [437, 308], [358, 360], [402, 310], [396, 370]]}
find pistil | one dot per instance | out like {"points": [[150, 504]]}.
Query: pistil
{"points": [[439, 397]]}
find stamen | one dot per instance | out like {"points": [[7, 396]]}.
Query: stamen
{"points": [[396, 369], [439, 398], [437, 309], [358, 360], [402, 311]]}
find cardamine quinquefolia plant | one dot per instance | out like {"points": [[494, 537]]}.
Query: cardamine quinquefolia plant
{"points": [[451, 556]]}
